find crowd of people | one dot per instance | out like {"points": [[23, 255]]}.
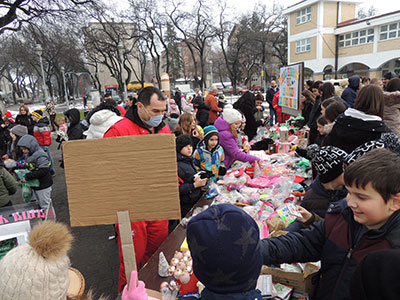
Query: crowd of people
{"points": [[349, 212]]}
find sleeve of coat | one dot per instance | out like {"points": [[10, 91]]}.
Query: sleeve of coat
{"points": [[232, 148], [214, 105], [303, 246], [9, 182]]}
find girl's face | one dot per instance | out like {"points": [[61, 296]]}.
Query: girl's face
{"points": [[237, 124], [193, 124], [323, 110], [22, 111], [315, 92], [320, 129], [212, 142]]}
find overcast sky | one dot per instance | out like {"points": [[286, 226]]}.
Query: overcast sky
{"points": [[241, 6]]}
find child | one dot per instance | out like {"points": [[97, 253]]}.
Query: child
{"points": [[16, 133], [38, 163], [41, 131], [227, 125], [259, 114], [73, 118], [228, 230], [189, 184], [62, 126], [369, 221], [321, 122], [209, 156]]}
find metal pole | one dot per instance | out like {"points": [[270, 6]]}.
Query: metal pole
{"points": [[121, 48], [65, 86], [39, 51]]}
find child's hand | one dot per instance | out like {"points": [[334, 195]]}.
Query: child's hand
{"points": [[195, 133], [306, 215], [200, 182], [134, 292]]}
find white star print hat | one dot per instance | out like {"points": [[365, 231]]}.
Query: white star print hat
{"points": [[224, 242]]}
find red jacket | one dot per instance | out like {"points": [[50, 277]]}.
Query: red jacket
{"points": [[41, 131], [213, 103], [147, 235], [275, 103]]}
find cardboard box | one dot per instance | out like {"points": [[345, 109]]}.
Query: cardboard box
{"points": [[295, 280], [133, 173]]}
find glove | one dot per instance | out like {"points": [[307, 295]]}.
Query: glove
{"points": [[302, 152], [221, 171], [134, 292]]}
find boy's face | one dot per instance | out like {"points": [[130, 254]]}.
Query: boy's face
{"points": [[25, 150], [187, 150], [368, 206], [212, 142], [336, 184], [259, 102]]}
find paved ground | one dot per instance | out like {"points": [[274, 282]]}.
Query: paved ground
{"points": [[93, 253]]}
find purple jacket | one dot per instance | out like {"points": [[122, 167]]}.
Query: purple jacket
{"points": [[229, 143]]}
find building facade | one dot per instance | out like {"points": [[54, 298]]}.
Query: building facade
{"points": [[333, 43]]}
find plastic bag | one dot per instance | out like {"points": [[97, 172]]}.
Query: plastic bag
{"points": [[26, 193], [26, 185]]}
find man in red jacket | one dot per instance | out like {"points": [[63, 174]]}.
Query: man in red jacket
{"points": [[213, 103], [144, 118]]}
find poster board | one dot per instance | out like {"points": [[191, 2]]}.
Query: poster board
{"points": [[134, 173], [291, 83]]}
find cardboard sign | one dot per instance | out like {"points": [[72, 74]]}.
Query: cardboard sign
{"points": [[133, 173]]}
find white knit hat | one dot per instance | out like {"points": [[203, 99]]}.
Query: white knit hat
{"points": [[38, 270], [231, 115]]}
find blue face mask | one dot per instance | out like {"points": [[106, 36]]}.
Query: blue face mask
{"points": [[154, 120]]}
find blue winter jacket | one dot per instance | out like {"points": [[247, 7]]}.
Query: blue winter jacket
{"points": [[349, 94]]}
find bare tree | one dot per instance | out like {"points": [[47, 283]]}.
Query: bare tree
{"points": [[16, 13], [197, 32]]}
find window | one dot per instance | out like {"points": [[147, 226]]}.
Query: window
{"points": [[303, 15], [390, 31], [356, 38], [303, 46]]}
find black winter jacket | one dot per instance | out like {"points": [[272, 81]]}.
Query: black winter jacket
{"points": [[75, 131], [306, 111], [25, 120], [203, 112], [188, 194], [312, 121], [269, 96], [354, 128], [339, 242]]}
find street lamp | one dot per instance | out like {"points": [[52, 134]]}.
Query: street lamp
{"points": [[211, 71], [121, 57], [39, 51], [65, 86]]}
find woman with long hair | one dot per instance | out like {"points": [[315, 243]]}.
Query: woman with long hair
{"points": [[307, 102], [360, 124], [187, 124], [24, 118]]}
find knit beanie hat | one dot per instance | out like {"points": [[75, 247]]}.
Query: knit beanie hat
{"points": [[19, 130], [210, 130], [225, 245], [39, 269], [182, 141], [328, 161], [388, 140], [38, 114], [376, 276], [231, 115]]}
